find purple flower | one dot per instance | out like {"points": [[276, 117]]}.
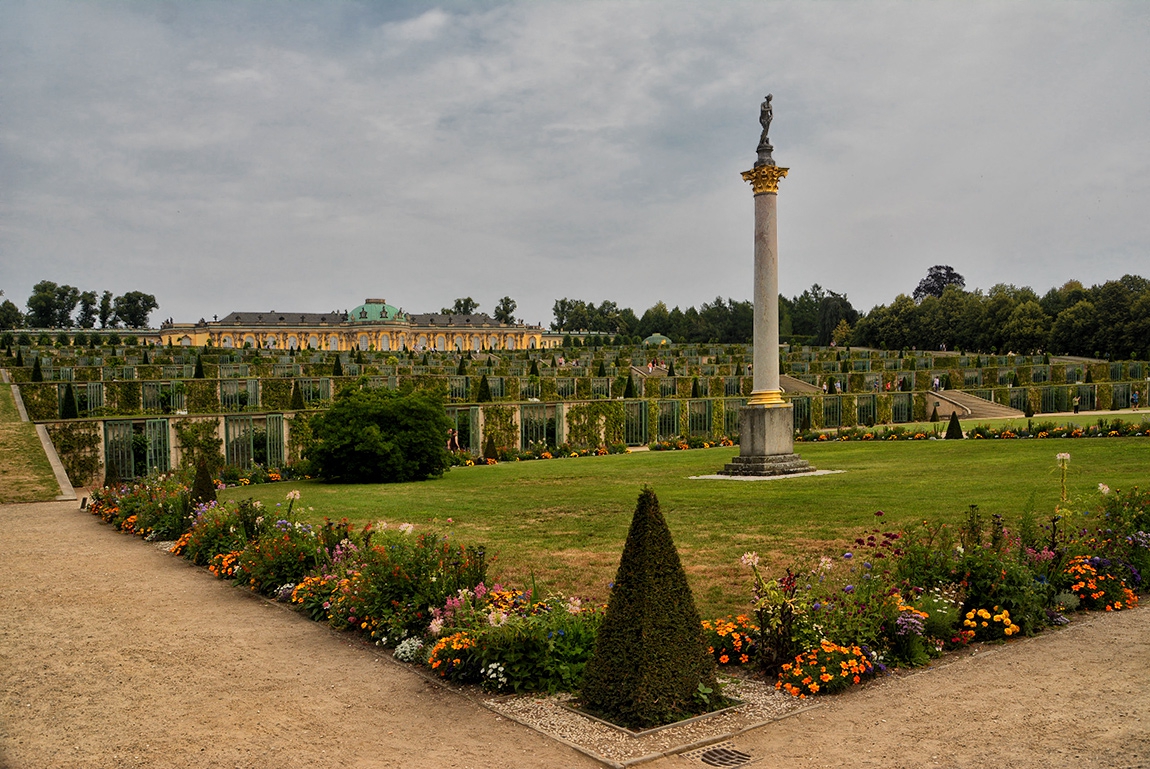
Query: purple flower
{"points": [[848, 555], [849, 589], [816, 606]]}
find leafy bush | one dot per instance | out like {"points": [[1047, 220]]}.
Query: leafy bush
{"points": [[380, 436]]}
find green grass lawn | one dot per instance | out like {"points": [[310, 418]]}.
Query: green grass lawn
{"points": [[25, 473], [563, 521]]}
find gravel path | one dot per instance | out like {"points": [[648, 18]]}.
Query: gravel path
{"points": [[114, 654]]}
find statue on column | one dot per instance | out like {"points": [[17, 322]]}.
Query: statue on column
{"points": [[766, 113]]}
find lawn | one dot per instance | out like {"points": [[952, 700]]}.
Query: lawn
{"points": [[25, 474], [562, 522]]}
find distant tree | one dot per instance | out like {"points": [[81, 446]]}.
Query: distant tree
{"points": [[296, 403], [37, 372], [463, 306], [937, 279], [133, 308], [842, 333], [337, 367], [43, 305], [504, 311], [10, 315], [107, 311], [199, 372], [87, 316]]}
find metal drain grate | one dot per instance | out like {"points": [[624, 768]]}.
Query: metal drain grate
{"points": [[720, 754]]}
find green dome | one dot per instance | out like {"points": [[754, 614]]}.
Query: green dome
{"points": [[656, 340], [373, 311]]}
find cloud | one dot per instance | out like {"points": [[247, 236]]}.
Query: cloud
{"points": [[303, 156]]}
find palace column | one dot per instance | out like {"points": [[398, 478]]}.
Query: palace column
{"points": [[766, 423]]}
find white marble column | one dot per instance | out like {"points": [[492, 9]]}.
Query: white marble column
{"points": [[765, 182]]}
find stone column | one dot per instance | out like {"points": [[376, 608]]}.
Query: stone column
{"points": [[765, 182], [766, 424]]}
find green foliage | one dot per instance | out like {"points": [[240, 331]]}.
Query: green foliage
{"points": [[78, 446], [200, 444], [484, 395], [380, 436], [651, 655], [202, 396], [37, 371], [597, 423], [199, 373], [499, 426], [337, 366]]}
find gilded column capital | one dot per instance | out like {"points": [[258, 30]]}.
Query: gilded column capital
{"points": [[765, 178]]}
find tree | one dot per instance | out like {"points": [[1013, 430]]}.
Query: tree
{"points": [[296, 403], [44, 304], [133, 308], [650, 661], [37, 371], [842, 333], [464, 306], [337, 367], [380, 436], [484, 394], [107, 312], [953, 428], [504, 311], [10, 316], [199, 372], [937, 279], [87, 316]]}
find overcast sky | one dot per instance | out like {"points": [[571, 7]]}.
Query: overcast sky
{"points": [[303, 156]]}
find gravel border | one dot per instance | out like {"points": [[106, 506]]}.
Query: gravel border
{"points": [[761, 704]]}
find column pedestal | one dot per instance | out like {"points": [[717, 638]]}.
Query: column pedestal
{"points": [[766, 443]]}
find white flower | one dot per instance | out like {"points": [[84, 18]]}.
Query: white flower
{"points": [[435, 627], [1104, 488], [1063, 459], [750, 560], [407, 528], [496, 618], [574, 605], [258, 505], [293, 495]]}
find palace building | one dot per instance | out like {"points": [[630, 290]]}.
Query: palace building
{"points": [[374, 325]]}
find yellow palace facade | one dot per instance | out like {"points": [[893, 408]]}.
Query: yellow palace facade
{"points": [[374, 325]]}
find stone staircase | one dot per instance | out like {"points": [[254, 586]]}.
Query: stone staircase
{"points": [[968, 406]]}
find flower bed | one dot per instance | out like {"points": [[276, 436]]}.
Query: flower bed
{"points": [[1102, 428], [893, 598]]}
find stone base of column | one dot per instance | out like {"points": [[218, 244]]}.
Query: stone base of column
{"points": [[767, 443]]}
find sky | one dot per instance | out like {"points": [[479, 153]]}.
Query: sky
{"points": [[302, 157]]}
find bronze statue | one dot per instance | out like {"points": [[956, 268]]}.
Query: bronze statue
{"points": [[766, 112], [765, 115]]}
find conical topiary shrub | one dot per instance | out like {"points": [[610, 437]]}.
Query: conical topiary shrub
{"points": [[934, 414], [484, 394], [629, 390], [602, 370], [68, 408], [296, 403], [203, 487], [199, 372], [37, 372], [337, 367], [490, 451], [954, 429], [650, 665], [534, 368]]}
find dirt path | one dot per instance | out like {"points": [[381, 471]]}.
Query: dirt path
{"points": [[115, 654]]}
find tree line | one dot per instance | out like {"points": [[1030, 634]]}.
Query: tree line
{"points": [[1107, 320], [64, 306]]}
